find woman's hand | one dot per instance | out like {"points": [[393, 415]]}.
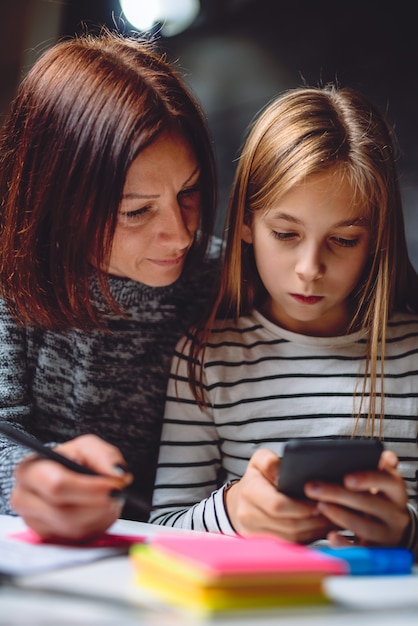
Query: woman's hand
{"points": [[371, 505], [58, 503], [255, 505]]}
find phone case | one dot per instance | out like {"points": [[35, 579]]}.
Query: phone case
{"points": [[326, 460]]}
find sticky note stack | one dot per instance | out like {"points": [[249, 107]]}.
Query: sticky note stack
{"points": [[212, 573]]}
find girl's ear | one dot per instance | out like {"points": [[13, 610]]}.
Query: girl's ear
{"points": [[246, 233]]}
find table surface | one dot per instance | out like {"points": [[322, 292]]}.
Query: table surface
{"points": [[105, 593]]}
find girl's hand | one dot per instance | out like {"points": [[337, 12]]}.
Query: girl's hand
{"points": [[58, 503], [255, 505], [371, 505]]}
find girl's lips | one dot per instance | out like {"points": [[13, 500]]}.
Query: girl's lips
{"points": [[306, 299]]}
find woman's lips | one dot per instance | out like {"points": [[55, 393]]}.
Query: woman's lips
{"points": [[306, 299], [168, 262]]}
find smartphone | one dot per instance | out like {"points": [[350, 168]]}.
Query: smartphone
{"points": [[327, 460]]}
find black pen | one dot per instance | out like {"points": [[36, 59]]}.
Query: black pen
{"points": [[36, 446]]}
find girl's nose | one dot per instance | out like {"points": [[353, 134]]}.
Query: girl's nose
{"points": [[310, 266]]}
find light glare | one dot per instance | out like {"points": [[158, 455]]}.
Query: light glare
{"points": [[142, 14], [173, 15]]}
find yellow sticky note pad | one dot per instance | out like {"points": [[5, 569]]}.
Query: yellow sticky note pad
{"points": [[218, 573]]}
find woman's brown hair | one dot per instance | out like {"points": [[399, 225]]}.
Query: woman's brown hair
{"points": [[305, 132], [83, 113]]}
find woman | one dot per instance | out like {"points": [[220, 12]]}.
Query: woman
{"points": [[107, 181]]}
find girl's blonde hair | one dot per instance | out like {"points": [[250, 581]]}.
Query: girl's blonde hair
{"points": [[304, 132]]}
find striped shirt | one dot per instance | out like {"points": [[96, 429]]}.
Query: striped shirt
{"points": [[265, 385]]}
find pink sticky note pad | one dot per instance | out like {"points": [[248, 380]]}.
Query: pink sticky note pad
{"points": [[224, 556], [106, 540]]}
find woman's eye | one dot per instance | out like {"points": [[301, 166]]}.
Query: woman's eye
{"points": [[189, 196], [128, 218]]}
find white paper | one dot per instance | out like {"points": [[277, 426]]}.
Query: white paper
{"points": [[18, 558]]}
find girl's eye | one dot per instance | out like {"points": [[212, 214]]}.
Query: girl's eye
{"points": [[346, 243], [283, 236]]}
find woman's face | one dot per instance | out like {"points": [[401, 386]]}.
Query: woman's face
{"points": [[159, 213]]}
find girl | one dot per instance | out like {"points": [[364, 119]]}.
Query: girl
{"points": [[107, 191], [314, 333]]}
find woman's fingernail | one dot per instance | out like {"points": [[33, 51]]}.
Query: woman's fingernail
{"points": [[116, 494], [351, 481], [120, 470], [313, 488]]}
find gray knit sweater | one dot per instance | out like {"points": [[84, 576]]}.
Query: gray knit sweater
{"points": [[61, 385]]}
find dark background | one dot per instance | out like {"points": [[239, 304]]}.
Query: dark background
{"points": [[238, 54]]}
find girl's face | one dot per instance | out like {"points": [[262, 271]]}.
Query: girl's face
{"points": [[159, 213], [310, 249]]}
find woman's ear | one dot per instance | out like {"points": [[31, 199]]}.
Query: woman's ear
{"points": [[246, 233]]}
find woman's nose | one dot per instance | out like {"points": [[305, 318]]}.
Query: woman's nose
{"points": [[176, 230]]}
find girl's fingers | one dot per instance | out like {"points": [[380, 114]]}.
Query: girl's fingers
{"points": [[368, 530], [373, 517], [389, 486], [256, 506], [388, 461], [266, 463], [339, 540]]}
